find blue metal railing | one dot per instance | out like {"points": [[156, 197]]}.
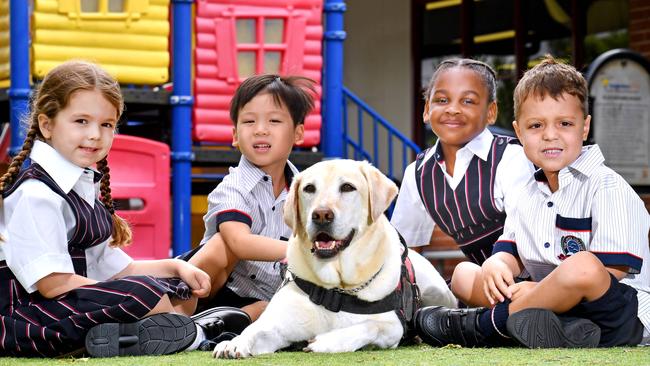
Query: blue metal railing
{"points": [[379, 126]]}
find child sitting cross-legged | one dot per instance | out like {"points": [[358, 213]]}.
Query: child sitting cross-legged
{"points": [[578, 229]]}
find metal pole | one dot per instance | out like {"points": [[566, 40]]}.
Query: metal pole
{"points": [[20, 71], [332, 130], [181, 101]]}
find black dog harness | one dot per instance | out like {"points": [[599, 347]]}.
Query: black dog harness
{"points": [[404, 300]]}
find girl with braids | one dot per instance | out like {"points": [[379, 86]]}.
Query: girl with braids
{"points": [[64, 280], [468, 180]]}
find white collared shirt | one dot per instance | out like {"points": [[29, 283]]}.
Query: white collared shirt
{"points": [[37, 224], [593, 209], [412, 219], [246, 195]]}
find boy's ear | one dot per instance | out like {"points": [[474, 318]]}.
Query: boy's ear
{"points": [[235, 140], [45, 125], [299, 134], [515, 125], [493, 111], [586, 128]]}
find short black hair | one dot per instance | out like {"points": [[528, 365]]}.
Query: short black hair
{"points": [[294, 92]]}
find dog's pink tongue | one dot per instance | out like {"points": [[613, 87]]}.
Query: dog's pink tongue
{"points": [[326, 244]]}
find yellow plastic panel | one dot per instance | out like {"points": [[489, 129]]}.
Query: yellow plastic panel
{"points": [[4, 43], [132, 44]]}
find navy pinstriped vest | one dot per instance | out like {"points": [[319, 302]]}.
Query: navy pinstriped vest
{"points": [[467, 214], [94, 224]]}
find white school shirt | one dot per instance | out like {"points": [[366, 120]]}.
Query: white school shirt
{"points": [[410, 216], [37, 224], [594, 209], [246, 195]]}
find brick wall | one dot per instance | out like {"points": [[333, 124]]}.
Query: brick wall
{"points": [[639, 27]]}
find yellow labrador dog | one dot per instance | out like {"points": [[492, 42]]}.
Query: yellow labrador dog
{"points": [[344, 258]]}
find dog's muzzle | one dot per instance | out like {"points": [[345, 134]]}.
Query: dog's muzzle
{"points": [[325, 246]]}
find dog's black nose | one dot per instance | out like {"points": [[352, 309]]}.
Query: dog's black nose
{"points": [[322, 216]]}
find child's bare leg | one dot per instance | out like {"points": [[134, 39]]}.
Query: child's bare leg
{"points": [[185, 307], [163, 306], [255, 309], [467, 284], [580, 277], [217, 260]]}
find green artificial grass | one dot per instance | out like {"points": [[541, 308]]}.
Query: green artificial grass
{"points": [[407, 356]]}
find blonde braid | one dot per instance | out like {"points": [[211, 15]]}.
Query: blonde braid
{"points": [[122, 234]]}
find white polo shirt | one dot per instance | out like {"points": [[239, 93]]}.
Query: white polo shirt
{"points": [[594, 209], [246, 195], [37, 224], [410, 216]]}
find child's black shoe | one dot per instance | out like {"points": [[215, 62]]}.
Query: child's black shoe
{"points": [[439, 326], [222, 319], [541, 328], [159, 334]]}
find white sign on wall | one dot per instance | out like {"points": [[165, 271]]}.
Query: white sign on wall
{"points": [[620, 92]]}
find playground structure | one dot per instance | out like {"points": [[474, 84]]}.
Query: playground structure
{"points": [[229, 40]]}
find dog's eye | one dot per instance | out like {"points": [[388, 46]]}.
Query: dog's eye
{"points": [[309, 188], [347, 187]]}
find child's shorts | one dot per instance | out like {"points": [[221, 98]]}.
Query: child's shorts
{"points": [[615, 313]]}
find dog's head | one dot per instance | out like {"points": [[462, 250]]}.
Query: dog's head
{"points": [[332, 201]]}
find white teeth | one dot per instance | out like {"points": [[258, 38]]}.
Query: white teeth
{"points": [[262, 146], [327, 244]]}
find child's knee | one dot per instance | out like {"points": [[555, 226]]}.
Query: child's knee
{"points": [[583, 270], [464, 278]]}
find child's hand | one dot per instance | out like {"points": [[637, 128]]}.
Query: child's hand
{"points": [[198, 280], [520, 289], [497, 277]]}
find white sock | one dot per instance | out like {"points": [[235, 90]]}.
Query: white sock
{"points": [[200, 337]]}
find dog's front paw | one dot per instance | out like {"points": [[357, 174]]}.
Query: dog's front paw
{"points": [[235, 348]]}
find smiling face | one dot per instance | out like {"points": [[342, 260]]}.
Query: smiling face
{"points": [[458, 109], [83, 131], [265, 133], [552, 132]]}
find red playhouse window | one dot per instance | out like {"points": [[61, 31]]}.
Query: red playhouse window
{"points": [[240, 38]]}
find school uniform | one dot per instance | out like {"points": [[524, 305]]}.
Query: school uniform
{"points": [[52, 222], [246, 195], [595, 210], [469, 205]]}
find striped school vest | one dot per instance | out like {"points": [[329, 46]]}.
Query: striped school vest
{"points": [[468, 213], [94, 224]]}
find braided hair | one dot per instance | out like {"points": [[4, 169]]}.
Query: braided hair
{"points": [[487, 74], [53, 95]]}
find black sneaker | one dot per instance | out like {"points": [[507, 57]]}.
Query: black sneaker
{"points": [[439, 326], [222, 319], [159, 334], [541, 328]]}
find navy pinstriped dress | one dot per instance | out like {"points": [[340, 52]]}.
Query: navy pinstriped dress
{"points": [[32, 325], [468, 214]]}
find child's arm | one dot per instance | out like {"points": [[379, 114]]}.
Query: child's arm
{"points": [[248, 246], [56, 284], [195, 278], [619, 223], [513, 172], [410, 217]]}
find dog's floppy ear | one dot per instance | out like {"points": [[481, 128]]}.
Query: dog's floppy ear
{"points": [[381, 190], [292, 205]]}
